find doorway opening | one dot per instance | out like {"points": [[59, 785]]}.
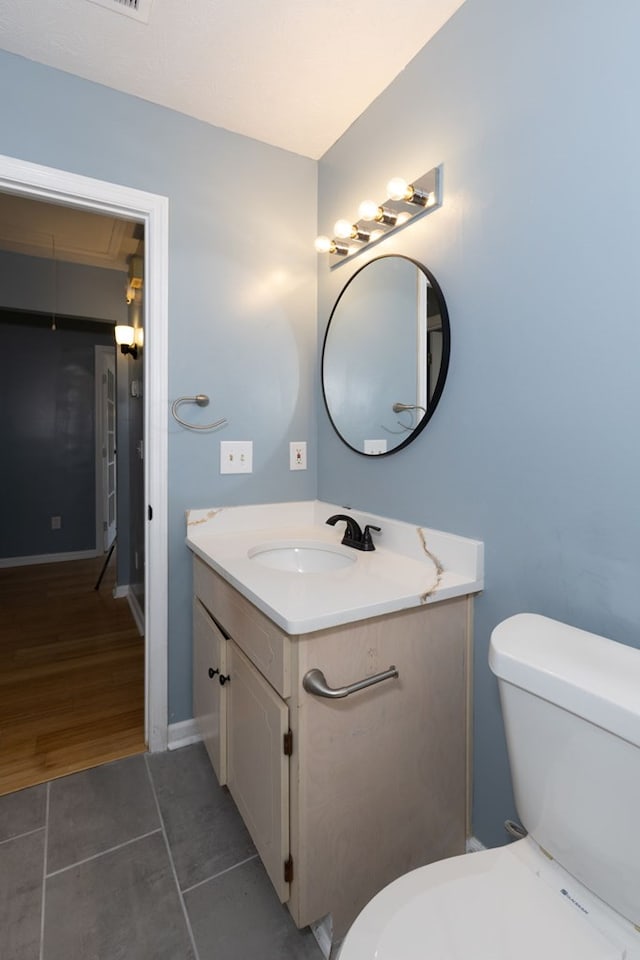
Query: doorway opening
{"points": [[56, 186]]}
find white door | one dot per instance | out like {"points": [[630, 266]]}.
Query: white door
{"points": [[106, 445]]}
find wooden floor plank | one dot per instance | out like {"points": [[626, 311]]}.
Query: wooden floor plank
{"points": [[71, 673]]}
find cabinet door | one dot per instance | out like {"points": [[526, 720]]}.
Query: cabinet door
{"points": [[257, 768], [209, 697]]}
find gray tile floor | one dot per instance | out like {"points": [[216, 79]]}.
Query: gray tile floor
{"points": [[142, 859]]}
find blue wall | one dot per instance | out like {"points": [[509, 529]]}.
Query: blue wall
{"points": [[34, 283], [242, 288], [47, 431], [532, 108], [47, 435]]}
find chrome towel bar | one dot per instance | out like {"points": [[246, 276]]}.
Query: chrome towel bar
{"points": [[314, 681]]}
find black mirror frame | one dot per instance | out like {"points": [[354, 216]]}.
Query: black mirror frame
{"points": [[444, 366]]}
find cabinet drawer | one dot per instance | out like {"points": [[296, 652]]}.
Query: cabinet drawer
{"points": [[262, 641]]}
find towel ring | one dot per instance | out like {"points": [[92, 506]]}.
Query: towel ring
{"points": [[202, 400]]}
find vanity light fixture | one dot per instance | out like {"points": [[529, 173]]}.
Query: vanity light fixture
{"points": [[350, 231], [406, 201], [126, 339], [369, 210], [326, 245], [399, 189]]}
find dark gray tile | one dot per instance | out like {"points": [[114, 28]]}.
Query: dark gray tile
{"points": [[123, 905], [22, 811], [238, 916], [21, 876], [205, 831], [97, 809]]}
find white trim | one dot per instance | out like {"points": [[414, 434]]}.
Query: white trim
{"points": [[322, 931], [99, 353], [120, 590], [183, 733], [136, 611], [474, 845], [48, 558], [60, 186]]}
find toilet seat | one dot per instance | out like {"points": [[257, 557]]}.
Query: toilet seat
{"points": [[509, 903]]}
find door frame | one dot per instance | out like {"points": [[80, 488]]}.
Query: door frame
{"points": [[60, 186], [102, 355]]}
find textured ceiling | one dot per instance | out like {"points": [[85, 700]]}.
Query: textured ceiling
{"points": [[53, 231], [292, 73]]}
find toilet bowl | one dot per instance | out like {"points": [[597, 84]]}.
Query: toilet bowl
{"points": [[509, 903], [570, 890]]}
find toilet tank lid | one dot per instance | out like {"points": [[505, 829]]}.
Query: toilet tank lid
{"points": [[596, 678]]}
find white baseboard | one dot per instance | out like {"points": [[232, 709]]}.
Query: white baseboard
{"points": [[323, 933], [137, 611], [124, 590], [474, 845], [47, 558], [183, 733]]}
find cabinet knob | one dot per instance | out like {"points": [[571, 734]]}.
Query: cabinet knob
{"points": [[223, 679], [212, 673]]}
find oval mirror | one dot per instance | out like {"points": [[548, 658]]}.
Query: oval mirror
{"points": [[385, 355]]}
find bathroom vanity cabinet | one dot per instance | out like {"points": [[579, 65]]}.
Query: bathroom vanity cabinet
{"points": [[340, 796]]}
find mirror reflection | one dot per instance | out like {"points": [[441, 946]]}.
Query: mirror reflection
{"points": [[385, 355]]}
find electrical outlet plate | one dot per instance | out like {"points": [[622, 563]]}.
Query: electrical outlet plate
{"points": [[298, 455], [236, 456]]}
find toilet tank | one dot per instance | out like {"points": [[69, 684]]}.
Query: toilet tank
{"points": [[571, 708]]}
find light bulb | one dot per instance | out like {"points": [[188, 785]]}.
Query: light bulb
{"points": [[343, 229], [125, 335], [402, 218], [399, 189], [368, 210], [322, 244]]}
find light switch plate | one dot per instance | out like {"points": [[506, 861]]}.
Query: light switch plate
{"points": [[236, 456]]}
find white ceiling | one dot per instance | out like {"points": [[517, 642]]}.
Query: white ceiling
{"points": [[292, 73], [53, 231]]}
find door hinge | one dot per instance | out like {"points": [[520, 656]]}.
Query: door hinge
{"points": [[287, 743], [150, 512], [288, 870]]}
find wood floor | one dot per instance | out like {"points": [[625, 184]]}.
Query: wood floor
{"points": [[71, 673]]}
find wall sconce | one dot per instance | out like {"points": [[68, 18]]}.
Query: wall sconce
{"points": [[126, 339], [406, 202]]}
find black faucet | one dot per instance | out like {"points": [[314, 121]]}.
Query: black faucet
{"points": [[353, 535]]}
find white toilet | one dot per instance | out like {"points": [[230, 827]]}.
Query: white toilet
{"points": [[571, 889]]}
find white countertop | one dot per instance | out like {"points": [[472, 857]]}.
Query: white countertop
{"points": [[410, 566]]}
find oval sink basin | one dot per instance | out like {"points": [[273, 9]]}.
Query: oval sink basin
{"points": [[301, 556]]}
